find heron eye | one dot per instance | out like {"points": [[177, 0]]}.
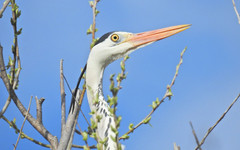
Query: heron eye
{"points": [[114, 37]]}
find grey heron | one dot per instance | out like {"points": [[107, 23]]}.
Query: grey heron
{"points": [[108, 48]]}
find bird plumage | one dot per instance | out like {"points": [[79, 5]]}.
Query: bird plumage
{"points": [[108, 48]]}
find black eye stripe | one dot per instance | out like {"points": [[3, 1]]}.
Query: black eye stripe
{"points": [[103, 38]]}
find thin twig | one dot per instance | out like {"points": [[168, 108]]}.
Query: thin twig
{"points": [[211, 128], [195, 136], [235, 9], [82, 134], [63, 100], [94, 18], [79, 146], [15, 48], [85, 118], [23, 135], [175, 147], [5, 4], [8, 101], [167, 94], [81, 97], [29, 105], [93, 28]]}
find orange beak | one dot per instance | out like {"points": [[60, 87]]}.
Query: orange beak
{"points": [[155, 35]]}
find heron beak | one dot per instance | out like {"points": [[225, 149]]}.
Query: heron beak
{"points": [[155, 35]]}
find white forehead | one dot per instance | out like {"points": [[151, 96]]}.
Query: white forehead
{"points": [[105, 40]]}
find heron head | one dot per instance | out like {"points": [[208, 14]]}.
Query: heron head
{"points": [[114, 45]]}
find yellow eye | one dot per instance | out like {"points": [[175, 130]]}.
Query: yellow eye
{"points": [[114, 37]]}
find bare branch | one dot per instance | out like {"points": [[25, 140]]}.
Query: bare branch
{"points": [[20, 132], [85, 118], [69, 146], [175, 147], [23, 135], [63, 100], [81, 147], [39, 103], [8, 101], [211, 128], [195, 136], [235, 9], [67, 133], [39, 127], [167, 94], [5, 4]]}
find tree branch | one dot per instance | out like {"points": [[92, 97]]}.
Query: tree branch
{"points": [[211, 128], [175, 147], [63, 100], [39, 127], [235, 9], [67, 133], [15, 49], [94, 18], [195, 136], [82, 147], [8, 101], [23, 135], [20, 132], [39, 103], [5, 4]]}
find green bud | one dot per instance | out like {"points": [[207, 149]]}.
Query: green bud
{"points": [[104, 140], [14, 120], [98, 117], [22, 136], [89, 31], [19, 31], [99, 146], [85, 136], [114, 139], [130, 127], [18, 13], [13, 49], [169, 93], [147, 120], [154, 105], [94, 124], [119, 118], [125, 136], [122, 65], [113, 129], [126, 57], [111, 110], [157, 101], [91, 3], [92, 112], [93, 135], [97, 12]]}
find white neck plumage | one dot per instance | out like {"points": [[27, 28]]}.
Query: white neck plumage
{"points": [[94, 74]]}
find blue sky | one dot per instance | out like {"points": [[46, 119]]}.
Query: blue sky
{"points": [[208, 79]]}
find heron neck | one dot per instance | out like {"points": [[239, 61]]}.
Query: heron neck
{"points": [[94, 75]]}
